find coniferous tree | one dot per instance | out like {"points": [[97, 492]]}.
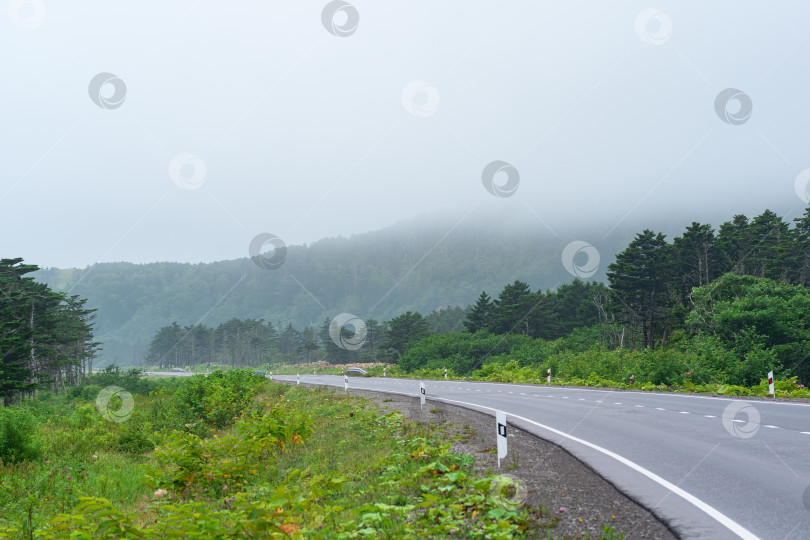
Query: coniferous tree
{"points": [[479, 316], [405, 330], [46, 338], [798, 259], [770, 244], [511, 310], [640, 283], [734, 246]]}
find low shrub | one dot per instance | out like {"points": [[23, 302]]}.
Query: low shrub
{"points": [[19, 440]]}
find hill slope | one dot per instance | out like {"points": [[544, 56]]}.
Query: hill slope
{"points": [[409, 266]]}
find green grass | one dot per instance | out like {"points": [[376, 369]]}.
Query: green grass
{"points": [[295, 462]]}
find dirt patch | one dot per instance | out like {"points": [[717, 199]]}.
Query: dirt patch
{"points": [[552, 477]]}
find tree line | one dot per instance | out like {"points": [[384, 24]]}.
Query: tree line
{"points": [[658, 293], [318, 280], [652, 281], [254, 342], [739, 293], [46, 337]]}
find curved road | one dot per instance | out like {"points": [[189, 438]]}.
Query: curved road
{"points": [[709, 467]]}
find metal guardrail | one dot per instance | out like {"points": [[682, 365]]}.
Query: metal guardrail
{"points": [[356, 371]]}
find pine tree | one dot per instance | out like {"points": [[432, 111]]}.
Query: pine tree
{"points": [[734, 246], [770, 239], [798, 259], [511, 310], [478, 317], [405, 330], [640, 280]]}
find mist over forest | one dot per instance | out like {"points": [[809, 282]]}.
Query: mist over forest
{"points": [[422, 265]]}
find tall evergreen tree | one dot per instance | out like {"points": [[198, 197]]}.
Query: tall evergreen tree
{"points": [[798, 259], [734, 246], [511, 310], [640, 281], [478, 317], [405, 330], [770, 244]]}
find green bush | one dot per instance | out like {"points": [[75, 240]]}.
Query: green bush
{"points": [[130, 380], [217, 400], [461, 352], [87, 393], [19, 439], [135, 437]]}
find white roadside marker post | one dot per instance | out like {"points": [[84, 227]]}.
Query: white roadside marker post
{"points": [[770, 384], [313, 371], [548, 376], [383, 371], [346, 382], [271, 375], [445, 373], [500, 425], [298, 378], [421, 395]]}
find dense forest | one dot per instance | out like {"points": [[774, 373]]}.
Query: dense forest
{"points": [[739, 293], [251, 342], [46, 337], [731, 305], [423, 265]]}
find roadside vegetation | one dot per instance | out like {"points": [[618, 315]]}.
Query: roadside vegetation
{"points": [[234, 455]]}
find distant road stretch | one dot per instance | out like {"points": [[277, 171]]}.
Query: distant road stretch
{"points": [[707, 466], [171, 373]]}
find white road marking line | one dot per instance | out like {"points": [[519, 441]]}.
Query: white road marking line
{"points": [[772, 427], [640, 406], [599, 401], [565, 397], [522, 394], [617, 403], [709, 416], [714, 513], [683, 412], [659, 409], [740, 420], [581, 399], [806, 432]]}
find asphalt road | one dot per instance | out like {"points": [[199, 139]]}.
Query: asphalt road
{"points": [[709, 467]]}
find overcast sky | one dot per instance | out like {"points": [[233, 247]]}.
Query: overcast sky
{"points": [[219, 121]]}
